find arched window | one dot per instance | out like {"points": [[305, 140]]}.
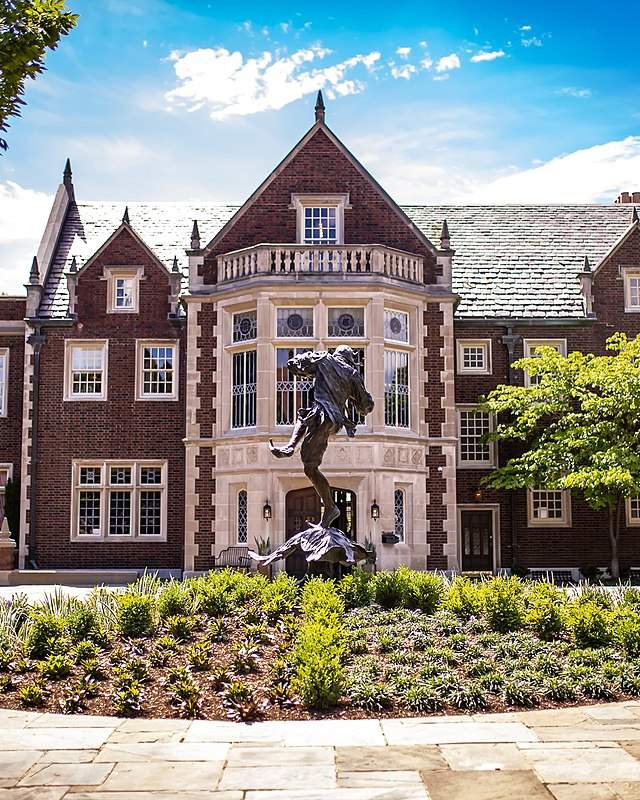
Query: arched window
{"points": [[399, 514], [242, 516]]}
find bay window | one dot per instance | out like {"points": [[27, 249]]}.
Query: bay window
{"points": [[243, 389], [396, 389]]}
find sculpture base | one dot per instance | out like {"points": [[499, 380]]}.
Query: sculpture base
{"points": [[316, 543]]}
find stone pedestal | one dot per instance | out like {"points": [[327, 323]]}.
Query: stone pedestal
{"points": [[8, 549]]}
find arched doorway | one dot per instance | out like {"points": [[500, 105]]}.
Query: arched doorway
{"points": [[303, 506]]}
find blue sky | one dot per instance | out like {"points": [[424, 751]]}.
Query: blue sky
{"points": [[495, 102]]}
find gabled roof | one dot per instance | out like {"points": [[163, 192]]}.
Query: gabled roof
{"points": [[509, 262]]}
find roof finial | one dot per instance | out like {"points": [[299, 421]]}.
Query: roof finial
{"points": [[125, 216], [587, 265], [34, 275], [445, 239], [74, 266], [195, 236], [175, 264], [634, 216], [320, 107], [67, 174]]}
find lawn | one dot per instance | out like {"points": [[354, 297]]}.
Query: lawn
{"points": [[230, 645]]}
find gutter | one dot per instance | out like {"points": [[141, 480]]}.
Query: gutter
{"points": [[509, 340], [36, 340], [526, 322]]}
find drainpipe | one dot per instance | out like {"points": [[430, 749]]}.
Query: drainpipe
{"points": [[36, 340], [509, 340]]}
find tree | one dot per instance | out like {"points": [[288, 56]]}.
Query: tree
{"points": [[577, 426], [27, 29]]}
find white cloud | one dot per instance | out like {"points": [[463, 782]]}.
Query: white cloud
{"points": [[532, 42], [594, 174], [423, 43], [488, 55], [230, 85], [111, 152], [145, 43], [23, 216], [444, 77], [404, 71], [448, 62], [525, 28], [426, 62], [284, 27], [572, 91], [403, 52]]}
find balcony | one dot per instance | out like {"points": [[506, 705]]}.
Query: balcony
{"points": [[287, 259]]}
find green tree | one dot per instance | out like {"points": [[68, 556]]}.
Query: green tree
{"points": [[28, 28], [576, 427]]}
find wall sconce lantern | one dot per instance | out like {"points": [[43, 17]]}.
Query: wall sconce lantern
{"points": [[375, 510], [266, 511], [477, 495]]}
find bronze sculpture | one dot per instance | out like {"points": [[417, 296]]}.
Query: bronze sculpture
{"points": [[337, 383]]}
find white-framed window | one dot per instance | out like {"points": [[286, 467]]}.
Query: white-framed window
{"points": [[293, 392], [4, 381], [396, 389], [631, 290], [156, 370], [244, 326], [474, 356], [549, 507], [242, 531], [399, 513], [473, 425], [119, 500], [320, 218], [6, 474], [531, 345], [633, 511], [396, 325], [346, 323], [86, 369], [123, 290], [294, 323], [243, 389]]}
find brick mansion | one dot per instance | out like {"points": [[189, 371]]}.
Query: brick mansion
{"points": [[145, 371]]}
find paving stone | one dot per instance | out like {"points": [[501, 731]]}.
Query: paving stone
{"points": [[584, 765], [626, 790], [68, 756], [611, 712], [331, 732], [145, 737], [553, 717], [588, 733], [507, 785], [164, 777], [15, 763], [174, 751], [484, 756], [584, 791], [54, 738], [67, 775], [279, 777], [176, 794], [39, 793], [562, 745], [215, 731], [155, 725], [392, 778], [10, 719], [265, 755], [394, 757], [71, 721], [372, 793], [421, 733]]}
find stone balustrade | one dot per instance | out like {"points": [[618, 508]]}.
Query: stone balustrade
{"points": [[283, 259]]}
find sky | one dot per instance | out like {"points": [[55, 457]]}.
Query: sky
{"points": [[459, 102]]}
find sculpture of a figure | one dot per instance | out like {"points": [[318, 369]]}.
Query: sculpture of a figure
{"points": [[337, 382]]}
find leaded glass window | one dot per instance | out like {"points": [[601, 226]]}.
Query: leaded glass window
{"points": [[243, 401], [396, 325], [245, 326], [346, 322], [89, 513], [292, 391], [242, 516], [295, 322], [396, 389], [399, 513]]}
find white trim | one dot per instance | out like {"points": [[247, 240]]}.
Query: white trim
{"points": [[338, 201], [495, 509], [112, 274], [105, 488], [491, 462], [140, 345], [627, 274], [529, 347], [94, 344], [632, 522], [485, 344], [4, 387], [545, 522]]}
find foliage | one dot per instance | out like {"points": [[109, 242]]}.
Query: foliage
{"points": [[464, 597], [356, 589], [56, 667], [135, 615], [546, 610], [279, 596], [174, 600], [503, 603], [627, 631], [579, 424], [590, 624], [44, 629], [31, 694], [180, 627]]}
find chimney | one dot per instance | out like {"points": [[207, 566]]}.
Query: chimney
{"points": [[628, 197]]}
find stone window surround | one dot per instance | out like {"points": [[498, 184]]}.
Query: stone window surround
{"points": [[530, 345], [4, 387], [301, 201], [104, 487], [400, 488], [235, 489], [563, 522], [460, 346], [628, 273], [110, 275], [632, 521], [492, 462], [69, 345], [140, 345]]}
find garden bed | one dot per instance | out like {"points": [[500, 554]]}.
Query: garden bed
{"points": [[395, 644]]}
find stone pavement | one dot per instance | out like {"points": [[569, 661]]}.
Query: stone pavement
{"points": [[584, 753]]}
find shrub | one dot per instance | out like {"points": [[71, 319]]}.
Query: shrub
{"points": [[503, 603], [135, 615], [214, 599], [559, 689], [627, 631], [44, 631], [464, 597], [199, 657], [598, 687], [85, 651], [469, 697], [127, 699], [425, 591], [390, 588], [422, 697], [174, 600], [369, 695], [245, 657], [241, 702], [520, 692], [356, 589], [280, 596], [492, 681], [31, 694], [180, 627], [590, 623], [82, 623], [55, 667], [546, 611]]}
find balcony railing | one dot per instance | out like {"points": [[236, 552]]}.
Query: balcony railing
{"points": [[285, 259]]}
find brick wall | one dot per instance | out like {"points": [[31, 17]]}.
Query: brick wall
{"points": [[119, 428]]}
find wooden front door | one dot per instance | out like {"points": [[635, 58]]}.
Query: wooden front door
{"points": [[477, 540], [303, 506]]}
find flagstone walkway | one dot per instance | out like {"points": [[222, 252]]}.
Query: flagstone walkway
{"points": [[586, 753]]}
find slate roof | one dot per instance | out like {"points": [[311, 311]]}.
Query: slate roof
{"points": [[510, 261]]}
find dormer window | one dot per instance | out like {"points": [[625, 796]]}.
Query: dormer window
{"points": [[320, 218], [122, 290]]}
